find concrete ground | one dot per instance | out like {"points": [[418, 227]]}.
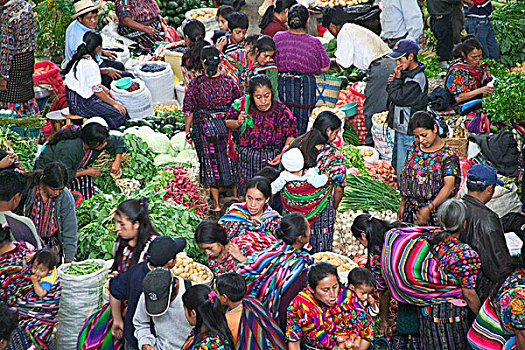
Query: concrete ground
{"points": [[251, 8]]}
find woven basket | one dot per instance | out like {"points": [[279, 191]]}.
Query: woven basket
{"points": [[460, 145]]}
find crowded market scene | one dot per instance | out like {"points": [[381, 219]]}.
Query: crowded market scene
{"points": [[262, 174]]}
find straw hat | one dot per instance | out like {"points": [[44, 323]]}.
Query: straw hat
{"points": [[85, 6]]}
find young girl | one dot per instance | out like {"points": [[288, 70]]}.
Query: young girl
{"points": [[43, 271], [86, 96], [205, 312]]}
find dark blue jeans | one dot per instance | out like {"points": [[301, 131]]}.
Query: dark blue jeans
{"points": [[482, 28]]}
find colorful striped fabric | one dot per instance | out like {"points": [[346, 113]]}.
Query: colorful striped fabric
{"points": [[501, 315], [258, 330], [238, 222], [96, 332], [269, 273], [37, 315], [412, 274], [487, 333], [43, 215]]}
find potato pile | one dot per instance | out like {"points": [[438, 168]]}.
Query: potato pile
{"points": [[203, 14], [185, 267], [343, 263], [380, 118], [519, 69], [332, 3], [164, 108]]}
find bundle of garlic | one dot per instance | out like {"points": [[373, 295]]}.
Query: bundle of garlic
{"points": [[344, 242]]}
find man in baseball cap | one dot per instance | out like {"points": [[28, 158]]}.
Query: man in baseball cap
{"points": [[403, 48], [162, 252], [160, 307], [484, 231]]}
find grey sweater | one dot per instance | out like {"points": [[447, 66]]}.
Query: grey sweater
{"points": [[172, 328]]}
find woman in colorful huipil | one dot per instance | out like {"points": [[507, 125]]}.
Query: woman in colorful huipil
{"points": [[500, 323], [319, 204], [275, 275], [298, 57], [461, 263], [253, 221], [51, 207], [78, 148], [431, 173], [140, 20], [324, 315], [207, 99], [194, 33], [225, 253], [17, 59], [266, 127]]}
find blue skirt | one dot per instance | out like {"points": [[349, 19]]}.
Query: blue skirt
{"points": [[95, 107]]}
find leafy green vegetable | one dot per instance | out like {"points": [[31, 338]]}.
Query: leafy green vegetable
{"points": [[364, 193], [354, 159], [506, 103], [509, 27], [140, 167], [96, 228], [431, 62], [24, 148], [350, 136]]}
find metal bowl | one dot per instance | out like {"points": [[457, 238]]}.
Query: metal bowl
{"points": [[42, 90]]}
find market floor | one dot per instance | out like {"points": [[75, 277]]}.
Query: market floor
{"points": [[251, 8]]}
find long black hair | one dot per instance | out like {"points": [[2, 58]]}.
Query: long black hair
{"points": [[54, 175], [210, 313], [298, 17], [256, 82], [90, 41], [211, 58], [264, 43], [136, 210], [467, 45], [5, 235], [92, 134], [317, 136], [293, 226], [209, 231], [374, 230], [279, 7], [262, 184], [195, 31]]}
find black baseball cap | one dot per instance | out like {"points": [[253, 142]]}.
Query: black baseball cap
{"points": [[158, 288], [164, 248]]}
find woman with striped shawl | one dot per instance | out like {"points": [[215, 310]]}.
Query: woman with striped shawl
{"points": [[319, 204], [253, 221], [278, 273]]}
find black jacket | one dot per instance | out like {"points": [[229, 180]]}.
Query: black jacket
{"points": [[441, 7], [484, 234], [407, 95]]}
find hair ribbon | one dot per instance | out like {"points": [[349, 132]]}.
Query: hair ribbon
{"points": [[211, 295]]}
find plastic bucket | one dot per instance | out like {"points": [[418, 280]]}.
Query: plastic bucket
{"points": [[349, 109]]}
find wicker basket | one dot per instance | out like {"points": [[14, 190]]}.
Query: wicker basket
{"points": [[460, 145]]}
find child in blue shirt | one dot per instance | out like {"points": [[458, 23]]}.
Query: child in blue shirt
{"points": [[43, 271]]}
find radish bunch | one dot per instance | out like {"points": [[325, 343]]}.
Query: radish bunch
{"points": [[183, 190]]}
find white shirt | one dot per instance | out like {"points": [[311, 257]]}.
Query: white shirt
{"points": [[358, 46], [311, 176], [399, 18], [87, 80]]}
